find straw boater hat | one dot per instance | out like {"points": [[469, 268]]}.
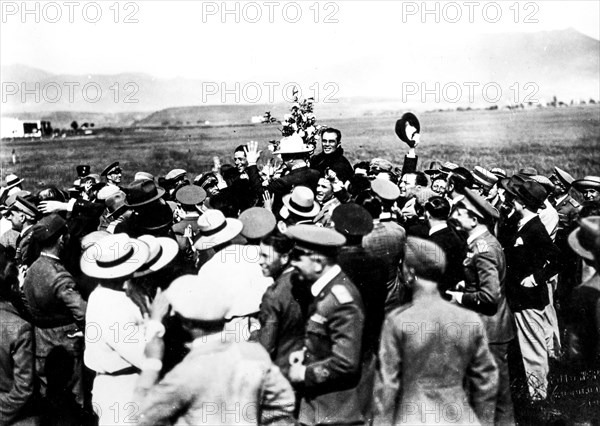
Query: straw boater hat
{"points": [[484, 177], [301, 202], [214, 229], [12, 180], [114, 256], [293, 144], [162, 251], [92, 238], [586, 238], [588, 182]]}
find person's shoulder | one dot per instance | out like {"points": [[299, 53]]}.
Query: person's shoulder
{"points": [[254, 351]]}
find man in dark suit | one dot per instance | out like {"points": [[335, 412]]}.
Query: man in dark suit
{"points": [[483, 291], [437, 212], [329, 370], [435, 364], [332, 156], [531, 259]]}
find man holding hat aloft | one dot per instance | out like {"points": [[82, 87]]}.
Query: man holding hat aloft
{"points": [[329, 370], [531, 259], [54, 304], [484, 289]]}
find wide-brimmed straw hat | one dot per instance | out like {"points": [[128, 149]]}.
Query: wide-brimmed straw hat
{"points": [[214, 229], [114, 256], [301, 202], [162, 251]]}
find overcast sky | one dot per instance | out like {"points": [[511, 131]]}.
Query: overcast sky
{"points": [[190, 39]]}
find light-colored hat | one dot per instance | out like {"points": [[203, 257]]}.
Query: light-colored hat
{"points": [[200, 299], [301, 202], [12, 180], [588, 182], [484, 177], [143, 176], [92, 238], [108, 191], [385, 189], [114, 256], [293, 144], [175, 174], [162, 251], [215, 229], [258, 222], [564, 177]]}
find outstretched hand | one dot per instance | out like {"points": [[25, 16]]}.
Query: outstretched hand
{"points": [[252, 153]]}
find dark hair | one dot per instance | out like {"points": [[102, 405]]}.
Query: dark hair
{"points": [[461, 178], [362, 165], [280, 243], [8, 273], [51, 193], [207, 180], [421, 179], [370, 202], [241, 148], [438, 208], [332, 130], [358, 185], [226, 202], [589, 208]]}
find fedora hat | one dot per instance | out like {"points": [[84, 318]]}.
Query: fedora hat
{"points": [[190, 195], [532, 194], [114, 203], [114, 256], [408, 120], [154, 217], [350, 219], [214, 229], [257, 222], [588, 182], [449, 167], [545, 182], [585, 240], [293, 144], [12, 180], [161, 252], [22, 205], [141, 192], [301, 202], [528, 171]]}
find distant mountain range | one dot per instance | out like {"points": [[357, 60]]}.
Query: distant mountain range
{"points": [[563, 63]]}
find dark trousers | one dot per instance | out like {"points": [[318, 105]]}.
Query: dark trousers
{"points": [[504, 407]]}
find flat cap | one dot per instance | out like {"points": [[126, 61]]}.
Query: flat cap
{"points": [[385, 189], [258, 222], [175, 174], [109, 169], [484, 177], [190, 195], [322, 240], [426, 258], [566, 179], [477, 205], [352, 220], [48, 227]]}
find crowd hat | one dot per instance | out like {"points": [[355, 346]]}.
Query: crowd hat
{"points": [[565, 178], [114, 256], [385, 189], [22, 205], [449, 167], [408, 120], [143, 176], [588, 182], [12, 180], [115, 203], [107, 191], [545, 182], [112, 168], [585, 240], [175, 174], [435, 169], [528, 171], [351, 220], [92, 176], [190, 195], [142, 192], [48, 227], [531, 194], [154, 217], [214, 229], [257, 222], [206, 300], [484, 177], [477, 205], [315, 238], [302, 202], [426, 258], [92, 238], [499, 172], [10, 200], [161, 252], [83, 170], [293, 144]]}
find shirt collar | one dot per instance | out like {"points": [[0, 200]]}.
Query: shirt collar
{"points": [[50, 255], [24, 230], [320, 284], [437, 227], [476, 234], [561, 199]]}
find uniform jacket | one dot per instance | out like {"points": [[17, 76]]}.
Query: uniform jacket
{"points": [[485, 273], [17, 365], [530, 251], [429, 377], [281, 322], [27, 249], [334, 161], [219, 383], [333, 339], [455, 249], [568, 210]]}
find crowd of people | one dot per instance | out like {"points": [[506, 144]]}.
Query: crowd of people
{"points": [[296, 288]]}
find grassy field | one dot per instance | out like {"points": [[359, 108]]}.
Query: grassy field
{"points": [[543, 138]]}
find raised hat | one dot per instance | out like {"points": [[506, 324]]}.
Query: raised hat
{"points": [[319, 239], [477, 205], [114, 256], [190, 195], [12, 180], [426, 258], [175, 174], [499, 172], [588, 182], [293, 144], [48, 227], [350, 219], [585, 240], [566, 179], [302, 202], [83, 170], [257, 222], [162, 251], [385, 189], [141, 192], [484, 177], [109, 168], [408, 120], [214, 229]]}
